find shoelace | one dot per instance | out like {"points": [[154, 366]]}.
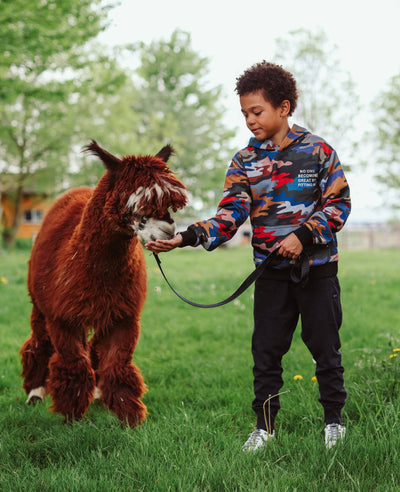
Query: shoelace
{"points": [[253, 440], [256, 437], [333, 432]]}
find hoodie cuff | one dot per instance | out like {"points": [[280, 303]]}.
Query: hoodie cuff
{"points": [[189, 238], [304, 235]]}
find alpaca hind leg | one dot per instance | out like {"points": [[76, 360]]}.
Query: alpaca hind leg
{"points": [[35, 353], [120, 382], [71, 379]]}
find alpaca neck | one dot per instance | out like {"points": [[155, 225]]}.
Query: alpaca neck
{"points": [[98, 236]]}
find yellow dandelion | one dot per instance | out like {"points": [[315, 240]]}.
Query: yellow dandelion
{"points": [[392, 355], [3, 280], [396, 350], [298, 377], [314, 379]]}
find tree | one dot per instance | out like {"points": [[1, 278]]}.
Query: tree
{"points": [[176, 106], [40, 54], [328, 102], [103, 112], [386, 109], [33, 32]]}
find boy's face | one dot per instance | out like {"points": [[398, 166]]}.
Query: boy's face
{"points": [[262, 118]]}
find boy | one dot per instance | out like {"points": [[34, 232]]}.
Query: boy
{"points": [[291, 184]]}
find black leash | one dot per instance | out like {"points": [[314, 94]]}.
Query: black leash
{"points": [[245, 284]]}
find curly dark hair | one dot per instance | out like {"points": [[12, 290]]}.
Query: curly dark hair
{"points": [[276, 83]]}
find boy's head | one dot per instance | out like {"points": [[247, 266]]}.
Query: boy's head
{"points": [[276, 84]]}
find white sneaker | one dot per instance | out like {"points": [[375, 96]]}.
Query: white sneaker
{"points": [[257, 439], [333, 434]]}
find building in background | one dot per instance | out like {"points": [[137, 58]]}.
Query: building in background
{"points": [[33, 210]]}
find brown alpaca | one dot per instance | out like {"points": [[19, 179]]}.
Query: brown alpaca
{"points": [[87, 275]]}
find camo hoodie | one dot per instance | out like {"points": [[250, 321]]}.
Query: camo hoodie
{"points": [[297, 187]]}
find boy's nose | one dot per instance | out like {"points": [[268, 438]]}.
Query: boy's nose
{"points": [[250, 121]]}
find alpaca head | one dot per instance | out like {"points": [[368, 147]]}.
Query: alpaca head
{"points": [[141, 192]]}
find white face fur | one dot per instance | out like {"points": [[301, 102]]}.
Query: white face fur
{"points": [[151, 229], [153, 194]]}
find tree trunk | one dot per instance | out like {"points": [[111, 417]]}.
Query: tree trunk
{"points": [[9, 232], [1, 209]]}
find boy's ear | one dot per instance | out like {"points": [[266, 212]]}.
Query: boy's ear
{"points": [[285, 108]]}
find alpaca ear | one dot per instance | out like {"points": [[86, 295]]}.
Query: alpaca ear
{"points": [[111, 162], [165, 153]]}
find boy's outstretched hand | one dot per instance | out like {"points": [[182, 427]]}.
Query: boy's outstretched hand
{"points": [[164, 245]]}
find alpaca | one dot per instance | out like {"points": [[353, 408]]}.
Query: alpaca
{"points": [[87, 283]]}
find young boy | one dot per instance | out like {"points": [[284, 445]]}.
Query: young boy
{"points": [[291, 184]]}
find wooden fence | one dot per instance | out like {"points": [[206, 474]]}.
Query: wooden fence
{"points": [[372, 236]]}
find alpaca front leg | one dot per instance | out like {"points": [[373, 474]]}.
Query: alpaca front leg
{"points": [[71, 378], [120, 382], [35, 353]]}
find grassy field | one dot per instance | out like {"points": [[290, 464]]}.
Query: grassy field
{"points": [[197, 365]]}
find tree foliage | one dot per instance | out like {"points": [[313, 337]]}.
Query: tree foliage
{"points": [[328, 102], [33, 32], [41, 52], [176, 106], [386, 109]]}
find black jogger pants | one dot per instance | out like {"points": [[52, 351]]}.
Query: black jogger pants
{"points": [[277, 307]]}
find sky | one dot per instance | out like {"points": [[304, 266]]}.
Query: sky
{"points": [[235, 34]]}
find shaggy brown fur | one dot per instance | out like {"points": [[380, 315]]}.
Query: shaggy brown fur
{"points": [[87, 274]]}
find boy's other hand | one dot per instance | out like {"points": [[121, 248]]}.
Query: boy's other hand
{"points": [[290, 247], [164, 245]]}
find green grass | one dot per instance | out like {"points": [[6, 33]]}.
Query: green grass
{"points": [[197, 365]]}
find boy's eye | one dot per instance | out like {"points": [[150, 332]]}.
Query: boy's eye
{"points": [[257, 113]]}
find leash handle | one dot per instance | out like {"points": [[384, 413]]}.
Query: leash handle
{"points": [[244, 285]]}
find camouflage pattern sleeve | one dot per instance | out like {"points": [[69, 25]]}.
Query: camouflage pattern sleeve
{"points": [[335, 203], [233, 209]]}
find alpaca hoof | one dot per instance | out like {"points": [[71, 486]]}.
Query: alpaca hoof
{"points": [[34, 400], [36, 395]]}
